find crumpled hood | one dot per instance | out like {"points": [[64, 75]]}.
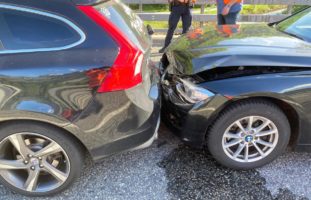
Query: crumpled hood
{"points": [[237, 45]]}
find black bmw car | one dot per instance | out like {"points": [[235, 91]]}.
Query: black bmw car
{"points": [[244, 91], [75, 77]]}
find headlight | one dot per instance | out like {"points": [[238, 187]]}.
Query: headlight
{"points": [[192, 93]]}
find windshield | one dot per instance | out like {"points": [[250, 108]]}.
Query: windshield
{"points": [[298, 25]]}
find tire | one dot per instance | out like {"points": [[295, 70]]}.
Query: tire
{"points": [[67, 155], [258, 112]]}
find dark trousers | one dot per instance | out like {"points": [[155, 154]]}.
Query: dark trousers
{"points": [[231, 18], [183, 12]]}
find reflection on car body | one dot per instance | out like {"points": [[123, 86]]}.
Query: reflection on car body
{"points": [[73, 81]]}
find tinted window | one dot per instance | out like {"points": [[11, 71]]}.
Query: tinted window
{"points": [[126, 20], [298, 25], [1, 46], [20, 30]]}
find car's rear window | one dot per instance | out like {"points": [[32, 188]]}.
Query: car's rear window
{"points": [[1, 46], [127, 21], [21, 30]]}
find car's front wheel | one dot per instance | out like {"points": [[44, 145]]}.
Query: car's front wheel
{"points": [[37, 160], [249, 134]]}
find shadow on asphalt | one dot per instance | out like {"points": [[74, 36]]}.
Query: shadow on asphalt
{"points": [[194, 174]]}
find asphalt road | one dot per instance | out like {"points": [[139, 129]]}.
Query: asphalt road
{"points": [[170, 170]]}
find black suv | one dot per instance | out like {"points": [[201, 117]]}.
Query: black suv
{"points": [[75, 77]]}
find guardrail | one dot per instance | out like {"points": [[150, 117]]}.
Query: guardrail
{"points": [[208, 17]]}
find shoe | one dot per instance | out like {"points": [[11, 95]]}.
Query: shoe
{"points": [[162, 50]]}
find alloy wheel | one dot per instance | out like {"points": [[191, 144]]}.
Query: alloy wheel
{"points": [[250, 139], [33, 162]]}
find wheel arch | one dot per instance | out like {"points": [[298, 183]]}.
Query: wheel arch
{"points": [[49, 124]]}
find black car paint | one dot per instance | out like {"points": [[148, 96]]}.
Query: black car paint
{"points": [[52, 87], [248, 45]]}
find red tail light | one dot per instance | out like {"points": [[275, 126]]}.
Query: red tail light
{"points": [[126, 70]]}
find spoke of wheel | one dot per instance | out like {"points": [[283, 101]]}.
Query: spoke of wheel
{"points": [[232, 143], [239, 150], [246, 152], [59, 175], [268, 144], [250, 122], [262, 126], [232, 135], [238, 123], [32, 180], [258, 149], [12, 164], [265, 133], [19, 143], [52, 148]]}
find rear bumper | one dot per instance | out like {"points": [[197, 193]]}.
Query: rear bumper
{"points": [[120, 121], [190, 122], [139, 137]]}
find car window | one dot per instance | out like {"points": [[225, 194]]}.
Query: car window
{"points": [[298, 25], [1, 46], [126, 20], [20, 30]]}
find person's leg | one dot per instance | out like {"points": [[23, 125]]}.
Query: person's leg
{"points": [[172, 23], [220, 19], [231, 18], [186, 20]]}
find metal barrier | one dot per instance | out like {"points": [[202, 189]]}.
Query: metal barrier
{"points": [[208, 17]]}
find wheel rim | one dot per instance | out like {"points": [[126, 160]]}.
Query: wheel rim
{"points": [[250, 139], [33, 163]]}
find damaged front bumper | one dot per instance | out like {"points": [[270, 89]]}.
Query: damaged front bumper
{"points": [[190, 119]]}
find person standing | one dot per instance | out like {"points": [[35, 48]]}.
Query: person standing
{"points": [[179, 9], [228, 11]]}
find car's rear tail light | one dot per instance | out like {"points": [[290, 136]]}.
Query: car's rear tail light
{"points": [[126, 70]]}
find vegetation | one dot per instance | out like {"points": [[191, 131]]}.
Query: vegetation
{"points": [[151, 8], [298, 8], [260, 9], [211, 9]]}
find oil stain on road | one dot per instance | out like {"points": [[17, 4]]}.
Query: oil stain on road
{"points": [[194, 174]]}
